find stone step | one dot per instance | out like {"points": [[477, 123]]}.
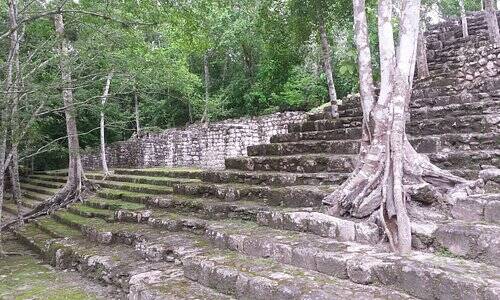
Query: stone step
{"points": [[470, 174], [250, 239], [123, 195], [304, 282], [245, 277], [454, 108], [290, 196], [362, 264], [119, 265], [114, 204], [11, 208], [478, 208], [58, 173], [273, 178], [7, 216], [309, 163], [435, 82], [30, 203], [55, 229], [151, 180], [35, 196], [326, 124], [335, 134], [134, 187], [441, 276], [472, 241], [426, 144], [464, 124], [303, 249], [38, 189], [45, 178], [317, 223], [97, 229], [161, 172], [92, 212], [450, 104], [319, 146], [466, 159], [303, 220], [42, 183]]}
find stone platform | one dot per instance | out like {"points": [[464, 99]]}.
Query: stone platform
{"points": [[256, 229]]}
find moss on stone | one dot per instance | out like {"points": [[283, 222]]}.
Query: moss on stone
{"points": [[24, 276], [57, 229], [89, 211], [114, 204]]}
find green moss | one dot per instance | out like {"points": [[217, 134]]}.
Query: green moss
{"points": [[57, 229], [38, 189], [88, 211], [25, 277], [124, 195], [445, 253], [50, 178], [114, 204]]}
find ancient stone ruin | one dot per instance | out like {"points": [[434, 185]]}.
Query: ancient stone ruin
{"points": [[255, 230]]}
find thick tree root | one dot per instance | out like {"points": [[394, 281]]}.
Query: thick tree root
{"points": [[69, 194]]}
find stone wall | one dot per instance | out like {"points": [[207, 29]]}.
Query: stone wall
{"points": [[194, 145]]}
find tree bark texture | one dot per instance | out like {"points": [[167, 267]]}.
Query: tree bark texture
{"points": [[422, 66], [10, 94], [463, 17], [74, 181], [206, 74], [492, 21], [136, 115], [365, 72], [327, 67], [104, 97], [390, 171]]}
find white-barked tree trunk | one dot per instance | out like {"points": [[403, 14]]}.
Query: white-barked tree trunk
{"points": [[389, 172]]}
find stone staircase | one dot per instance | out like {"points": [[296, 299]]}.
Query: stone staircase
{"points": [[256, 230]]}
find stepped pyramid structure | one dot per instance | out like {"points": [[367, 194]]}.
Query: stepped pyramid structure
{"points": [[256, 230]]}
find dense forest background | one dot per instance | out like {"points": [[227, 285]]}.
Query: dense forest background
{"points": [[172, 63]]}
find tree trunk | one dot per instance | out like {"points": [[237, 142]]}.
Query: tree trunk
{"points": [[15, 82], [10, 95], [206, 71], [74, 182], [391, 171], [492, 21], [190, 111], [463, 16], [104, 97], [365, 72], [14, 181], [72, 190], [422, 66], [327, 67], [3, 146], [136, 114]]}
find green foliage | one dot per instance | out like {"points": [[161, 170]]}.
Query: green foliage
{"points": [[264, 56], [450, 8], [302, 91]]}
